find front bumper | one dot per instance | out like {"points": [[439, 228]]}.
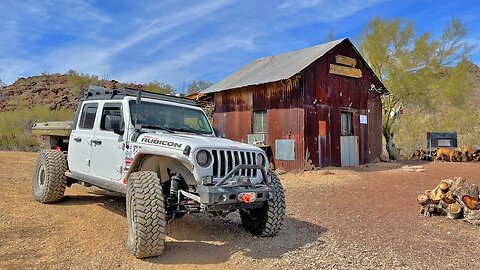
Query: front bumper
{"points": [[226, 191]]}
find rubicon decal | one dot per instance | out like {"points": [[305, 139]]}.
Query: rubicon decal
{"points": [[156, 141]]}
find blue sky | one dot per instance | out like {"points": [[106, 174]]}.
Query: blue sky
{"points": [[175, 41]]}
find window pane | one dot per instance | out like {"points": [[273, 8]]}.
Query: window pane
{"points": [[87, 119], [346, 124], [260, 122], [176, 118], [110, 109]]}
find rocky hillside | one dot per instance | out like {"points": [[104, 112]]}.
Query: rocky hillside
{"points": [[475, 71], [57, 91]]}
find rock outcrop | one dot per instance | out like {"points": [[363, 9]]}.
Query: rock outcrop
{"points": [[57, 91]]}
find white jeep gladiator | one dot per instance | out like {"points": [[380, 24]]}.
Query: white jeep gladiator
{"points": [[161, 152]]}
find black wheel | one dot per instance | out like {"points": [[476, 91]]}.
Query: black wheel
{"points": [[145, 215], [266, 220], [48, 178]]}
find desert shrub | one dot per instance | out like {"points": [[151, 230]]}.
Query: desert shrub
{"points": [[15, 126], [412, 128], [79, 82], [159, 87]]}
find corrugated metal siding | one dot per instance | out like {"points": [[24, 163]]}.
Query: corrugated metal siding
{"points": [[233, 116], [294, 112], [234, 125], [326, 96], [287, 124], [374, 129]]}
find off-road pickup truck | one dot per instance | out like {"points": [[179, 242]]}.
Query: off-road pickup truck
{"points": [[162, 153]]}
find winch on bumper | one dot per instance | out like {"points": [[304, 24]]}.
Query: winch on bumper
{"points": [[235, 191]]}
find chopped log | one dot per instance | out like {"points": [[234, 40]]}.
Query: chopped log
{"points": [[474, 190], [472, 216], [441, 208], [470, 202], [448, 197], [443, 185], [423, 200], [457, 182], [435, 195], [454, 211], [468, 194], [428, 210], [449, 182], [432, 195]]}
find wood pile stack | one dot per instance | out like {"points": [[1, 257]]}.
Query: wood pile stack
{"points": [[454, 198], [448, 154]]}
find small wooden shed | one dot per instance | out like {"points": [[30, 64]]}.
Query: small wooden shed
{"points": [[318, 106]]}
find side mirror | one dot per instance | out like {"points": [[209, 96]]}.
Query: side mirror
{"points": [[114, 122]]}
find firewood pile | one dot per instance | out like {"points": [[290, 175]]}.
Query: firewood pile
{"points": [[454, 198], [447, 154]]}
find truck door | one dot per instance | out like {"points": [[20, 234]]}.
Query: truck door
{"points": [[79, 147], [107, 147]]}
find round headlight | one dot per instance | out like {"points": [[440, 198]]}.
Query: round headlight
{"points": [[203, 158], [260, 159]]}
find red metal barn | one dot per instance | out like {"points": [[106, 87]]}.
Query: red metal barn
{"points": [[313, 106]]}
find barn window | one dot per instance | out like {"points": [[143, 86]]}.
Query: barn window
{"points": [[346, 124], [260, 122]]}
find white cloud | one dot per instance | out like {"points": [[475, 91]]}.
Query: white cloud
{"points": [[300, 4], [325, 11], [176, 68], [93, 50]]}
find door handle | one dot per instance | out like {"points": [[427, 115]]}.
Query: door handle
{"points": [[97, 141], [78, 139]]}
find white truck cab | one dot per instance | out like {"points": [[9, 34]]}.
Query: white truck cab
{"points": [[162, 152]]}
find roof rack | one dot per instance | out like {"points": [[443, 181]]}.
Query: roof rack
{"points": [[97, 92]]}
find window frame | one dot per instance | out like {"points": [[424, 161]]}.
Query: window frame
{"points": [[102, 117], [81, 120], [264, 123], [350, 127]]}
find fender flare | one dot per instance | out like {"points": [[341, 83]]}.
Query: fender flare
{"points": [[146, 161]]}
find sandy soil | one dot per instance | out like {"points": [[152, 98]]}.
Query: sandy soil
{"points": [[360, 218]]}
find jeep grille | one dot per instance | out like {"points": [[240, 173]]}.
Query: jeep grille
{"points": [[225, 160]]}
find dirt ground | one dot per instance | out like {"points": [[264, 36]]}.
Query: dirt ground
{"points": [[360, 218]]}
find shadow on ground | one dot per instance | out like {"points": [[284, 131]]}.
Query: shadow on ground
{"points": [[205, 239]]}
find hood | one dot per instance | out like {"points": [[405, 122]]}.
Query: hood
{"points": [[180, 140]]}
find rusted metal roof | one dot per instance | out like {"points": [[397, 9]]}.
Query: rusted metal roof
{"points": [[273, 68]]}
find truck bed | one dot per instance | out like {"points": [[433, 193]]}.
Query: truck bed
{"points": [[58, 129], [53, 135]]}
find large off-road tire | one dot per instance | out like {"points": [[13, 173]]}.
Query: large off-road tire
{"points": [[48, 178], [145, 215], [266, 220]]}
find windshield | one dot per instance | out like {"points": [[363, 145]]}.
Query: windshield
{"points": [[168, 117]]}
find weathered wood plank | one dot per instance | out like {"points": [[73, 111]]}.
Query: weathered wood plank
{"points": [[345, 71], [345, 60]]}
